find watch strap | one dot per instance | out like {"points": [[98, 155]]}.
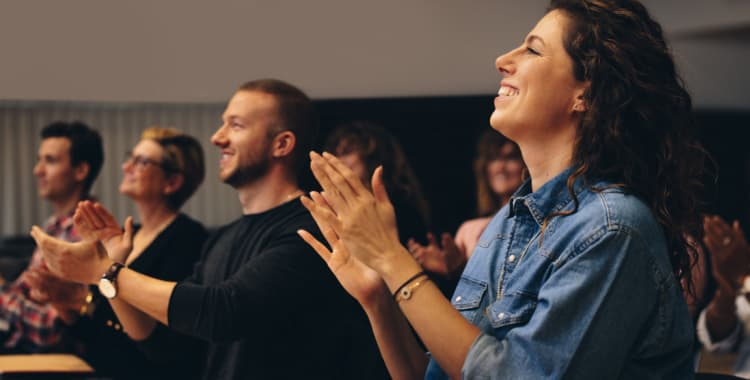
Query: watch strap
{"points": [[113, 271]]}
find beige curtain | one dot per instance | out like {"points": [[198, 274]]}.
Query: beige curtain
{"points": [[120, 125]]}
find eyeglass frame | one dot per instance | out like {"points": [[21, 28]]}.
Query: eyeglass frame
{"points": [[141, 162]]}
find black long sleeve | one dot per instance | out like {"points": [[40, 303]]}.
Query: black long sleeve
{"points": [[271, 308]]}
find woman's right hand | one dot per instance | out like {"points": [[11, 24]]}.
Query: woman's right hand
{"points": [[94, 222], [729, 252], [362, 282]]}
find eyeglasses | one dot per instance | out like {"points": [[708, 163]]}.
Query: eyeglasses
{"points": [[141, 162]]}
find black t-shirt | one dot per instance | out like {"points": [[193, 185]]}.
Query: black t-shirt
{"points": [[165, 354], [270, 306]]}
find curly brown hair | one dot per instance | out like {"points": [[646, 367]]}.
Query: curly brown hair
{"points": [[638, 129]]}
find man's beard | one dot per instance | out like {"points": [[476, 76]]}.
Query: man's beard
{"points": [[248, 173]]}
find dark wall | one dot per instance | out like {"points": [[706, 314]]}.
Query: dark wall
{"points": [[439, 136], [725, 134]]}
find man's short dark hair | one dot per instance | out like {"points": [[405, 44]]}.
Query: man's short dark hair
{"points": [[85, 146], [297, 114]]}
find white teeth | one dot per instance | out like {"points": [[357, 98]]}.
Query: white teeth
{"points": [[507, 91]]}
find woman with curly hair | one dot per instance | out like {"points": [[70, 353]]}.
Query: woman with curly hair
{"points": [[579, 277]]}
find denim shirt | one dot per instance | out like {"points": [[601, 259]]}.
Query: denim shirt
{"points": [[593, 297]]}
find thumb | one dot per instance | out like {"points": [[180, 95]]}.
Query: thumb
{"points": [[736, 226], [378, 187], [38, 235], [128, 234]]}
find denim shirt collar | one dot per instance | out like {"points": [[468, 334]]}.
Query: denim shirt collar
{"points": [[552, 197]]}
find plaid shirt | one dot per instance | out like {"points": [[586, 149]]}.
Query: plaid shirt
{"points": [[32, 326]]}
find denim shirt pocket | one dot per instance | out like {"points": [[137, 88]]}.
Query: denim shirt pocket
{"points": [[512, 309], [468, 297]]}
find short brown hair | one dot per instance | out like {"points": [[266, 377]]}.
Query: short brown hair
{"points": [[182, 155]]}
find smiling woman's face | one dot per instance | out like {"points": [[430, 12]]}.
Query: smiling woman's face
{"points": [[538, 90], [143, 175], [505, 171]]}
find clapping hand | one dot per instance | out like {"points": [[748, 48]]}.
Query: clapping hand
{"points": [[65, 296], [443, 259], [729, 252], [363, 283], [94, 222], [82, 262]]}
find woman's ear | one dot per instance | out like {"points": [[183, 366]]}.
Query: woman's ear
{"points": [[174, 183], [579, 104]]}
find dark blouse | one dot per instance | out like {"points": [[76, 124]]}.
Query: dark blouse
{"points": [[165, 353]]}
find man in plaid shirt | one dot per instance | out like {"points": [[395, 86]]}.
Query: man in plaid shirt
{"points": [[32, 317]]}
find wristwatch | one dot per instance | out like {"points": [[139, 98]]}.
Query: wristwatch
{"points": [[107, 284]]}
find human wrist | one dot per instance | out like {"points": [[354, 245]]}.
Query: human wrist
{"points": [[400, 270], [379, 302], [723, 302], [101, 269]]}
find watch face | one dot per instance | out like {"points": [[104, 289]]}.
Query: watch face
{"points": [[107, 288]]}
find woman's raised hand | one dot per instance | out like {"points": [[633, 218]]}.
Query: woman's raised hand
{"points": [[94, 222], [364, 222], [363, 283]]}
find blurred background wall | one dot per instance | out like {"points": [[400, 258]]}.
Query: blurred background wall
{"points": [[423, 68]]}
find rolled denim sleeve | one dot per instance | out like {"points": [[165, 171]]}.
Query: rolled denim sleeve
{"points": [[603, 297]]}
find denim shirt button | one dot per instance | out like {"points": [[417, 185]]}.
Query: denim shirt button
{"points": [[458, 298], [511, 258], [500, 316]]}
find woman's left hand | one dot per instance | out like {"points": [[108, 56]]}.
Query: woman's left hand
{"points": [[365, 222], [360, 281]]}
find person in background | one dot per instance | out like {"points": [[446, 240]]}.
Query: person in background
{"points": [[160, 174], [69, 160], [579, 276], [724, 324], [363, 146], [266, 305], [499, 172]]}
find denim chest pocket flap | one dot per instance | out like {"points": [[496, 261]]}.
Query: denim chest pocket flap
{"points": [[512, 309], [468, 296]]}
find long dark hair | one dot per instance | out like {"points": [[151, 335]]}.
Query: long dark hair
{"points": [[638, 129]]}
